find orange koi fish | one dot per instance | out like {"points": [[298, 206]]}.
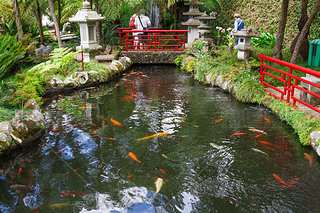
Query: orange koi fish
{"points": [[115, 122], [87, 107], [64, 132], [94, 132], [92, 124], [67, 174], [219, 120], [46, 99], [77, 169], [72, 193], [264, 142], [62, 99], [112, 139], [162, 171], [130, 176], [54, 127], [281, 181], [241, 133], [19, 171], [153, 136], [60, 95], [269, 148], [60, 150], [259, 136], [134, 157], [267, 120], [309, 157]]}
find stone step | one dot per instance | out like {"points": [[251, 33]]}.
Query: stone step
{"points": [[100, 58]]}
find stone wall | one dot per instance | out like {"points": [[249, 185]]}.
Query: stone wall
{"points": [[150, 57]]}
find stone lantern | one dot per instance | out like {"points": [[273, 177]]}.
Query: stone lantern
{"points": [[87, 19], [204, 26], [244, 42], [193, 23]]}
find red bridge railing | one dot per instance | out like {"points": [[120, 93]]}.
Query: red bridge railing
{"points": [[156, 40], [290, 82]]}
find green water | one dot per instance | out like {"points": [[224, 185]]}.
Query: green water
{"points": [[82, 163]]}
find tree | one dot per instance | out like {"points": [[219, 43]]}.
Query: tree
{"points": [[277, 53], [304, 51], [304, 32], [17, 18], [39, 18], [55, 20]]}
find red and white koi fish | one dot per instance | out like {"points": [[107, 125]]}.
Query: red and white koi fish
{"points": [[256, 130], [281, 181], [60, 150], [72, 193]]}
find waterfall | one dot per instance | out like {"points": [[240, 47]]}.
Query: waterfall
{"points": [[154, 14]]}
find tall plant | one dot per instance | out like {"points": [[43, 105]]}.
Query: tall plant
{"points": [[11, 52]]}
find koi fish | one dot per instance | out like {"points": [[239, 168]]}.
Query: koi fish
{"points": [[229, 200], [269, 148], [64, 132], [62, 99], [25, 188], [60, 96], [115, 122], [256, 130], [162, 171], [72, 193], [101, 117], [112, 139], [130, 176], [281, 181], [19, 171], [267, 120], [54, 127], [259, 136], [164, 156], [77, 169], [46, 99], [309, 157], [241, 133], [264, 142], [87, 107], [215, 146], [94, 132], [93, 124], [219, 120], [60, 150], [159, 184], [134, 157], [67, 174], [154, 136], [293, 181], [258, 150]]}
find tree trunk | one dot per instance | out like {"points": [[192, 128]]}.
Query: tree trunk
{"points": [[17, 19], [55, 20], [59, 14], [39, 18], [277, 53], [175, 15], [304, 52], [304, 32], [90, 1], [98, 24]]}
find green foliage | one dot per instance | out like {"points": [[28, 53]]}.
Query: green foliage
{"points": [[6, 114], [250, 91], [198, 45], [109, 33], [11, 52], [266, 40], [179, 59]]}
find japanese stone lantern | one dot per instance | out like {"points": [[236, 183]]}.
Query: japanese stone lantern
{"points": [[204, 27], [244, 42], [87, 19], [192, 22]]}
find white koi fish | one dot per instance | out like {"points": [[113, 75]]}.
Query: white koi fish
{"points": [[256, 130], [258, 150], [159, 184]]}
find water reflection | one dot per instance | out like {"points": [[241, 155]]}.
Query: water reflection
{"points": [[82, 164]]}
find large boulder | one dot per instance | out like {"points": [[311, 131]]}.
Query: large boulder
{"points": [[118, 64], [31, 104], [81, 77], [56, 83], [69, 82]]}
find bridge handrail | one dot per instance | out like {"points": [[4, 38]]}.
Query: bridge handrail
{"points": [[290, 81]]}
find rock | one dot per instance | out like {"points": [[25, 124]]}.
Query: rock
{"points": [[5, 141], [93, 76], [81, 77], [126, 62], [5, 127], [219, 81], [31, 104], [118, 64], [69, 82], [56, 83], [315, 137], [114, 68], [20, 126]]}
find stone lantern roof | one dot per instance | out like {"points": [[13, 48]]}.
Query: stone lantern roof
{"points": [[193, 12], [86, 14], [191, 22], [194, 3], [206, 17]]}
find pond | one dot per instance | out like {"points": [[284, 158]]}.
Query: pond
{"points": [[156, 140]]}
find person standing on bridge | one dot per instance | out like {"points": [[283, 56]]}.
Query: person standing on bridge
{"points": [[142, 22]]}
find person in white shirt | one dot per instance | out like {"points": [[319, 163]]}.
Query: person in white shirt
{"points": [[142, 22]]}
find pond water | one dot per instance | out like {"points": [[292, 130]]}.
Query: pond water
{"points": [[95, 157]]}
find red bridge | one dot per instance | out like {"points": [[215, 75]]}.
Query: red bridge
{"points": [[155, 40]]}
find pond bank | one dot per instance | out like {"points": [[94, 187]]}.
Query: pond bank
{"points": [[29, 124], [248, 89]]}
